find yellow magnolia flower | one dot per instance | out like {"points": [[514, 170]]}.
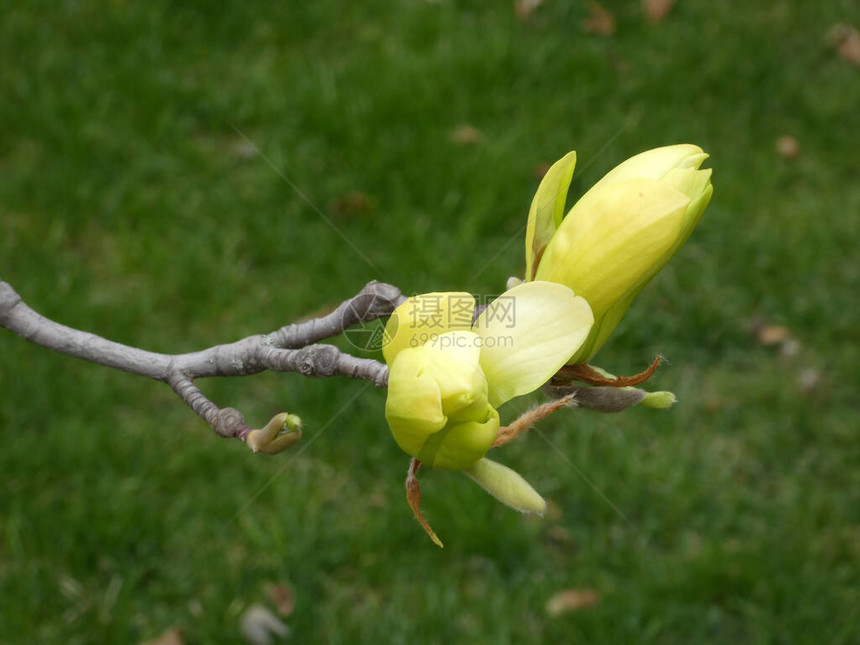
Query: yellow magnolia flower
{"points": [[619, 234], [447, 375]]}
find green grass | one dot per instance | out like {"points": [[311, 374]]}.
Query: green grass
{"points": [[131, 206]]}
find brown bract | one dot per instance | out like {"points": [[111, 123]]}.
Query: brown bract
{"points": [[413, 498], [657, 10], [587, 374]]}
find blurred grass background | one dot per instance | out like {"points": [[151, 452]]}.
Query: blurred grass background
{"points": [[131, 206]]}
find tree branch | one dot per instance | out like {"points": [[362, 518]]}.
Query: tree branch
{"points": [[376, 300], [291, 348]]}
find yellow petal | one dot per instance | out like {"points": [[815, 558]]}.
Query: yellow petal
{"points": [[413, 408], [612, 237], [547, 209], [689, 181], [453, 361], [528, 333], [693, 183], [654, 164], [624, 230], [460, 445], [424, 317]]}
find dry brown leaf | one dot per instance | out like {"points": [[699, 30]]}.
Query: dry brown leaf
{"points": [[569, 600], [600, 21], [656, 10], [283, 598], [846, 39], [773, 334], [352, 203], [172, 636], [560, 537], [466, 135], [788, 147], [525, 8]]}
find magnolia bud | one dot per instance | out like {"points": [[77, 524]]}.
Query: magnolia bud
{"points": [[449, 370], [282, 432], [620, 233]]}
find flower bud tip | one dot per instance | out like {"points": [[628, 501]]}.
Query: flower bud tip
{"points": [[659, 400]]}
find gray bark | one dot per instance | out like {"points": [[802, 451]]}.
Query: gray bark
{"points": [[293, 348]]}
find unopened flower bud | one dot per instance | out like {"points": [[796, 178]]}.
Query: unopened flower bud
{"points": [[280, 433], [448, 373], [619, 234]]}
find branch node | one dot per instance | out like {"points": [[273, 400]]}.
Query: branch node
{"points": [[230, 423], [384, 298], [318, 360]]}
